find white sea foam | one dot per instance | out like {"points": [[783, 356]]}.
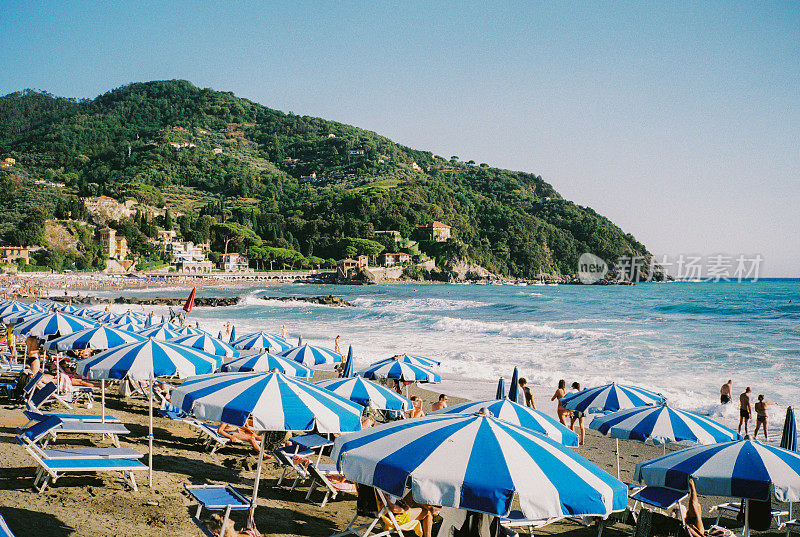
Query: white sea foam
{"points": [[509, 329]]}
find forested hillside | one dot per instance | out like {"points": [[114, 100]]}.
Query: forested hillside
{"points": [[271, 180]]}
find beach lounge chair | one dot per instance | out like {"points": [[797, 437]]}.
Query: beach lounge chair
{"points": [[790, 526], [367, 507], [734, 508], [30, 386], [216, 498], [51, 427], [207, 434], [79, 452], [34, 416], [5, 531], [51, 469], [290, 459], [516, 519], [40, 396], [328, 475], [662, 498]]}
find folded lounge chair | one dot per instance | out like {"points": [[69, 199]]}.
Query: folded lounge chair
{"points": [[207, 433], [291, 458]]}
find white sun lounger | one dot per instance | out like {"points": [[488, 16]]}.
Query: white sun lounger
{"points": [[85, 418], [79, 452], [51, 469]]}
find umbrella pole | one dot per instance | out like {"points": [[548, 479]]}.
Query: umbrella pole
{"points": [[103, 400], [252, 521], [746, 529], [617, 458], [150, 436]]}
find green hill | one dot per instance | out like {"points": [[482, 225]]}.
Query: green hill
{"points": [[299, 183]]}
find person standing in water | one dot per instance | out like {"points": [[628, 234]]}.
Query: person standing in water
{"points": [[579, 417], [725, 392], [761, 416], [561, 412], [744, 410]]}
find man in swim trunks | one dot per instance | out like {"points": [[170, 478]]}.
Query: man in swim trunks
{"points": [[744, 410], [523, 385], [725, 393]]}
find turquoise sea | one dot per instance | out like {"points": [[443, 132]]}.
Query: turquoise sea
{"points": [[681, 339]]}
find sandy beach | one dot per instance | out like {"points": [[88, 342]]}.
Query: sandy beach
{"points": [[106, 506]]}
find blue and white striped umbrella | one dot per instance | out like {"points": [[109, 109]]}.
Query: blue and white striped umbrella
{"points": [[130, 327], [420, 360], [150, 358], [394, 369], [106, 317], [661, 425], [262, 341], [161, 332], [206, 343], [311, 355], [128, 318], [190, 331], [517, 414], [88, 312], [266, 362], [66, 308], [611, 397], [14, 310], [478, 462], [275, 401], [366, 393], [53, 324], [741, 469], [98, 338], [789, 433]]}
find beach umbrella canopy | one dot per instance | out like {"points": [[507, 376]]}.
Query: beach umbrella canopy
{"points": [[13, 310], [265, 362], [478, 462], [66, 308], [128, 318], [87, 312], [190, 331], [740, 469], [395, 369], [262, 341], [206, 343], [97, 338], [517, 414], [501, 389], [162, 332], [149, 358], [366, 393], [420, 360], [513, 387], [789, 435], [611, 397], [276, 402], [311, 355], [130, 327], [53, 324], [661, 425], [106, 317]]}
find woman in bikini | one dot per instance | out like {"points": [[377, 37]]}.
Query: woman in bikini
{"points": [[406, 509], [561, 412]]}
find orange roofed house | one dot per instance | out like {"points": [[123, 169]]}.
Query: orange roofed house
{"points": [[234, 263], [389, 259], [435, 231]]}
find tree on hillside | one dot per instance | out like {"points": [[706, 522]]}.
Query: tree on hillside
{"points": [[167, 220], [30, 230], [229, 232]]}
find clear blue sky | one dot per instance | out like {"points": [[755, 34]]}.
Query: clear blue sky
{"points": [[680, 122]]}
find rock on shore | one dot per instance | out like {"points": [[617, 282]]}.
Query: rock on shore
{"points": [[325, 300]]}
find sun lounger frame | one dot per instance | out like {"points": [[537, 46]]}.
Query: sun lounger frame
{"points": [[196, 491], [51, 469]]}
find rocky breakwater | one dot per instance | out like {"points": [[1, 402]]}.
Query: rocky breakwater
{"points": [[214, 302], [325, 300]]}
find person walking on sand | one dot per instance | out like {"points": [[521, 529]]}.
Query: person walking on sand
{"points": [[578, 416], [725, 392], [761, 416], [744, 410], [283, 331], [336, 344], [523, 385], [561, 412]]}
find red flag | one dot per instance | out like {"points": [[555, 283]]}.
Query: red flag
{"points": [[190, 301]]}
